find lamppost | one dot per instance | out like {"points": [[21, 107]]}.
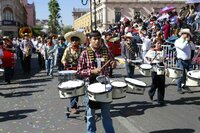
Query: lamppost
{"points": [[95, 12]]}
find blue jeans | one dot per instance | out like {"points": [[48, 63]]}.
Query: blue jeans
{"points": [[106, 118], [49, 63], [130, 69], [186, 66], [73, 102]]}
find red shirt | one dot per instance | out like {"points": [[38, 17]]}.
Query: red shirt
{"points": [[8, 59]]}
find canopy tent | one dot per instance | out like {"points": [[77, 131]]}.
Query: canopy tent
{"points": [[192, 1]]}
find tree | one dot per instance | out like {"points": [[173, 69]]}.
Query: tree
{"points": [[54, 16]]}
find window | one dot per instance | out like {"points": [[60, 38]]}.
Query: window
{"points": [[7, 14], [118, 14]]}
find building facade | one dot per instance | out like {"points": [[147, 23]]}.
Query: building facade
{"points": [[110, 11], [14, 15], [31, 15]]}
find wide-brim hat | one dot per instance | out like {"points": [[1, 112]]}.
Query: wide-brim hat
{"points": [[78, 34], [187, 31], [129, 34]]}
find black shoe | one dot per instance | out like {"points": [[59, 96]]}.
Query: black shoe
{"points": [[187, 89], [161, 103], [151, 98]]}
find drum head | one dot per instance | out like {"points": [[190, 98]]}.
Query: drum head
{"points": [[135, 82], [194, 74], [99, 88], [145, 66], [67, 72], [71, 84], [136, 61], [119, 84]]}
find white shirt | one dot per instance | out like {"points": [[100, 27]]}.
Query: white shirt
{"points": [[146, 45], [183, 49], [158, 56]]}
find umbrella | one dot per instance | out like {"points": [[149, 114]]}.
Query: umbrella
{"points": [[192, 1], [163, 17], [167, 9]]}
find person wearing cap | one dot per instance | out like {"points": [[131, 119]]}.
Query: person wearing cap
{"points": [[90, 64], [60, 51], [70, 58], [183, 49], [129, 54]]}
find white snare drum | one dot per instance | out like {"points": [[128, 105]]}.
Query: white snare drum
{"points": [[66, 75], [174, 72], [145, 69], [71, 88], [135, 86], [100, 92], [118, 89], [160, 70], [193, 78], [1, 72]]}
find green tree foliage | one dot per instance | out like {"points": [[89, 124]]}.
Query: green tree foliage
{"points": [[67, 29], [54, 16]]}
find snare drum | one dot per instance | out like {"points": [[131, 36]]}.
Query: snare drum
{"points": [[160, 70], [136, 62], [145, 69], [135, 86], [174, 72], [71, 88], [118, 89], [100, 92], [66, 75], [193, 78]]}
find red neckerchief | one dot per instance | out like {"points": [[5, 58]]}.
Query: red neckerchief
{"points": [[75, 48], [50, 44]]}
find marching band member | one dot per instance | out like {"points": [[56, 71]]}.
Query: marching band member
{"points": [[155, 57], [89, 66], [183, 49], [60, 52], [8, 60], [40, 46], [129, 54], [26, 48], [70, 59]]}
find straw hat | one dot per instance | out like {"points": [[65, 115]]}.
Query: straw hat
{"points": [[129, 34], [186, 30], [78, 34]]}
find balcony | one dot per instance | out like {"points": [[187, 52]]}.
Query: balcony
{"points": [[8, 23]]}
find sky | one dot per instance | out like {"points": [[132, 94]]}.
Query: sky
{"points": [[66, 6]]}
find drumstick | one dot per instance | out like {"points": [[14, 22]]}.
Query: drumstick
{"points": [[105, 64]]}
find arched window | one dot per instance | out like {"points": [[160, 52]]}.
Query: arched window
{"points": [[7, 14]]}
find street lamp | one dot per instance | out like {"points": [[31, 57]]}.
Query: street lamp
{"points": [[95, 12]]}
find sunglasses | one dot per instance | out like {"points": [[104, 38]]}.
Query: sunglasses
{"points": [[75, 39]]}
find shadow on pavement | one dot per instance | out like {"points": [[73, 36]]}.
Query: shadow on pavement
{"points": [[185, 101], [175, 131], [15, 114], [22, 87], [19, 94], [32, 81], [131, 108]]}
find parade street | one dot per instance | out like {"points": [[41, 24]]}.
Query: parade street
{"points": [[31, 104]]}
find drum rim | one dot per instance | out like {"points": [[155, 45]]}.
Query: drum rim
{"points": [[100, 92], [191, 76], [175, 68], [75, 88], [59, 72], [118, 81], [136, 84]]}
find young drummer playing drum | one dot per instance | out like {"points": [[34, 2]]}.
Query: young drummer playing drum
{"points": [[90, 66], [155, 57]]}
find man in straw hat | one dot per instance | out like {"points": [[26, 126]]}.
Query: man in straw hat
{"points": [[70, 58], [128, 53], [95, 61], [183, 48]]}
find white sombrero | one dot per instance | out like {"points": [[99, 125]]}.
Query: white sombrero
{"points": [[78, 34], [187, 31], [129, 34]]}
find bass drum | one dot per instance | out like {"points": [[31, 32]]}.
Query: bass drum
{"points": [[98, 92], [118, 89], [71, 88], [193, 78], [135, 86]]}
